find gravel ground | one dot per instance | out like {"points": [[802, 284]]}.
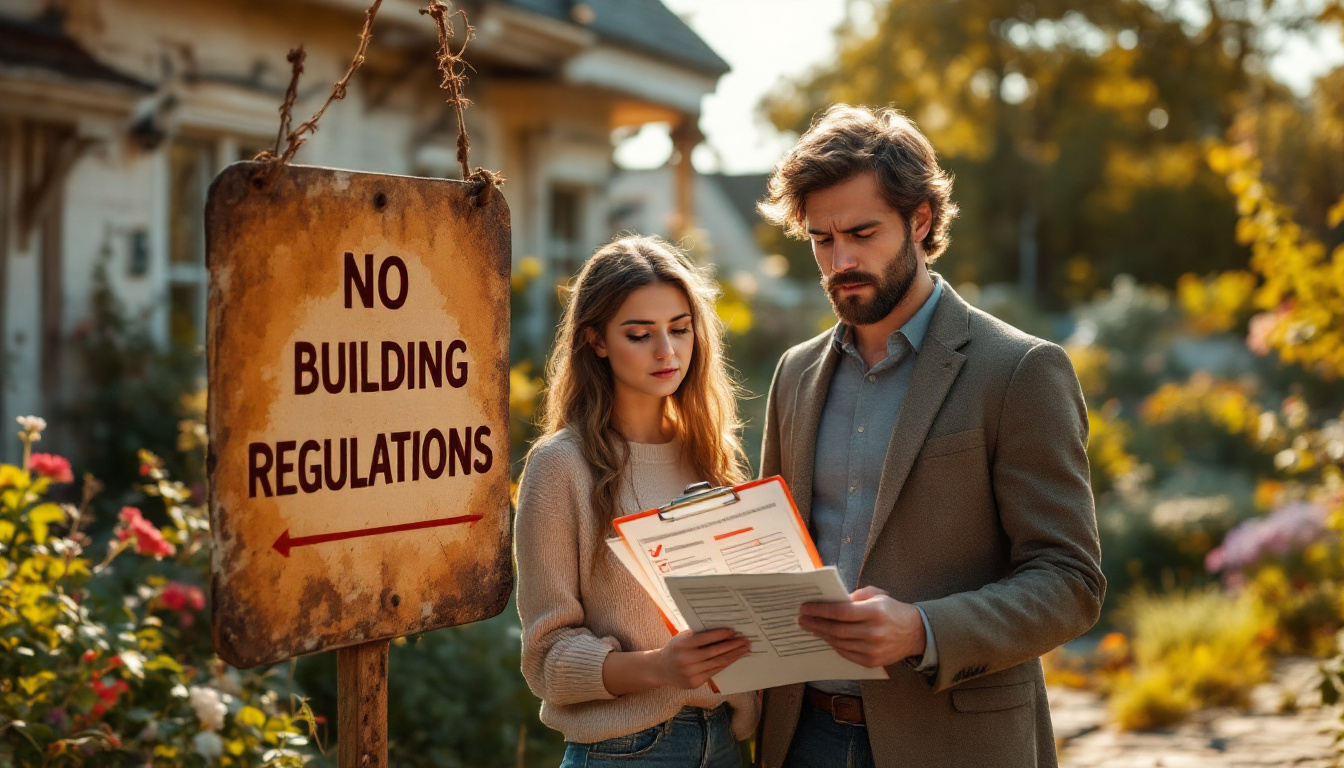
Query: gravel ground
{"points": [[1222, 738]]}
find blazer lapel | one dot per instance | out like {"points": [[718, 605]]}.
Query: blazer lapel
{"points": [[810, 399], [936, 368]]}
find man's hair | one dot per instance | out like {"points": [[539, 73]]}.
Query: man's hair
{"points": [[848, 141]]}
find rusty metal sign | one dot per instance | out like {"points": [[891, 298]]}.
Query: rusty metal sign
{"points": [[357, 343]]}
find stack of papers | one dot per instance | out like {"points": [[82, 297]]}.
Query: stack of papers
{"points": [[740, 558]]}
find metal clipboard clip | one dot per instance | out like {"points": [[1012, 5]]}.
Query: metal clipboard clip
{"points": [[695, 493]]}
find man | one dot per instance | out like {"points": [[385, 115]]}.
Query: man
{"points": [[939, 457]]}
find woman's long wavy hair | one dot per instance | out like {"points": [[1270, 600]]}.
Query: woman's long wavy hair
{"points": [[580, 391]]}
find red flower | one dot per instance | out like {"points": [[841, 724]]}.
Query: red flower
{"points": [[145, 469], [174, 596], [108, 694], [182, 598], [55, 467], [148, 539], [89, 656]]}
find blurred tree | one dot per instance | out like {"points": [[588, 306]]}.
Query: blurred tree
{"points": [[1076, 129]]}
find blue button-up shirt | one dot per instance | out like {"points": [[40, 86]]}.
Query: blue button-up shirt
{"points": [[856, 426]]}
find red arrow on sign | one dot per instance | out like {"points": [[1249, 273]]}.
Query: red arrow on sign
{"points": [[285, 543]]}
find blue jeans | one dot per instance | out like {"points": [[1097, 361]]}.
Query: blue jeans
{"points": [[820, 742], [695, 738]]}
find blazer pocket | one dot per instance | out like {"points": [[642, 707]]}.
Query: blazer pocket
{"points": [[956, 442], [993, 699]]}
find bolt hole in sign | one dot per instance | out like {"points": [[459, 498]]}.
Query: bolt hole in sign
{"points": [[358, 347]]}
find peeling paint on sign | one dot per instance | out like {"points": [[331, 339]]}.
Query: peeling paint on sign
{"points": [[358, 340]]}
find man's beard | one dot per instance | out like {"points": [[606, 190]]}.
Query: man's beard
{"points": [[889, 289]]}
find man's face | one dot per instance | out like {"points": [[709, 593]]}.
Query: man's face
{"points": [[867, 262]]}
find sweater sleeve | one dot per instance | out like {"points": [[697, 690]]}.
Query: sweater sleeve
{"points": [[561, 658]]}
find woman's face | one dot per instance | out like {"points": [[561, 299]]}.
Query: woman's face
{"points": [[650, 340]]}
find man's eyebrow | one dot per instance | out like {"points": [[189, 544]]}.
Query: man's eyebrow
{"points": [[851, 230], [682, 316]]}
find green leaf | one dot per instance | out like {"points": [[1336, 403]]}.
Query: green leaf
{"points": [[163, 661], [1329, 693], [135, 663], [34, 683]]}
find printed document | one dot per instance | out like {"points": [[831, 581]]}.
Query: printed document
{"points": [[756, 529], [741, 558], [764, 607]]}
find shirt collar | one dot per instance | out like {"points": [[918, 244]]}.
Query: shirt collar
{"points": [[914, 330]]}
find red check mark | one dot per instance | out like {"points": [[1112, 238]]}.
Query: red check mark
{"points": [[656, 552]]}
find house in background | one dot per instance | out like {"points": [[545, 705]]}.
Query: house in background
{"points": [[725, 231], [116, 114]]}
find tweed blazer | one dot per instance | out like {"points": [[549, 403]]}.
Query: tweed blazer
{"points": [[984, 519]]}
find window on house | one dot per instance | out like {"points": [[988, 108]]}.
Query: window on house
{"points": [[191, 166], [566, 250]]}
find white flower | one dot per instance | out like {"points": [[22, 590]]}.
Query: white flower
{"points": [[208, 745], [210, 710], [32, 427], [32, 423]]}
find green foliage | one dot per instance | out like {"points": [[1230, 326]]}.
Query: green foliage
{"points": [[133, 394], [127, 679], [456, 697]]}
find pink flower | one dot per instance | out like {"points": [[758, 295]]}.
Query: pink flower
{"points": [[148, 539], [50, 465], [1289, 529], [195, 598], [1258, 331]]}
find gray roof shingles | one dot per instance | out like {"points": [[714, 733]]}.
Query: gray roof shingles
{"points": [[646, 25], [40, 44]]}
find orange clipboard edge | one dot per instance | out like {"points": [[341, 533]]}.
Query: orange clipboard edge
{"points": [[797, 518]]}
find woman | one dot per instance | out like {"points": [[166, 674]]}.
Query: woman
{"points": [[640, 403]]}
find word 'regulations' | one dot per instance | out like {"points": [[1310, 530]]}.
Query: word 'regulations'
{"points": [[288, 467]]}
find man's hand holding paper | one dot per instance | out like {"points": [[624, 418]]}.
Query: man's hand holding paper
{"points": [[873, 629], [744, 561]]}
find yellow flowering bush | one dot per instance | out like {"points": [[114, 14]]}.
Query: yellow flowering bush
{"points": [[1185, 651], [94, 674]]}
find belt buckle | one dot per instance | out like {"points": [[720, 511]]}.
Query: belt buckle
{"points": [[847, 710]]}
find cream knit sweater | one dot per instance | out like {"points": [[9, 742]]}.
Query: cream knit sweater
{"points": [[578, 603]]}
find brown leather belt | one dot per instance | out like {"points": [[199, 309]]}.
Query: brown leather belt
{"points": [[846, 710]]}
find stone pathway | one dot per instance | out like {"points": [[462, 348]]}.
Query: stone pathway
{"points": [[1265, 736]]}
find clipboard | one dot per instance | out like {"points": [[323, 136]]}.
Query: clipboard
{"points": [[717, 544], [750, 528]]}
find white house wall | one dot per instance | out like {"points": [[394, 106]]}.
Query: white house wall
{"points": [[539, 133]]}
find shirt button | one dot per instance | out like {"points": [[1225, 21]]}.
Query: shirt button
{"points": [[848, 539], [872, 379], [860, 430], [853, 488]]}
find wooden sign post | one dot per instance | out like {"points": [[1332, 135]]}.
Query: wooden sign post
{"points": [[358, 340]]}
